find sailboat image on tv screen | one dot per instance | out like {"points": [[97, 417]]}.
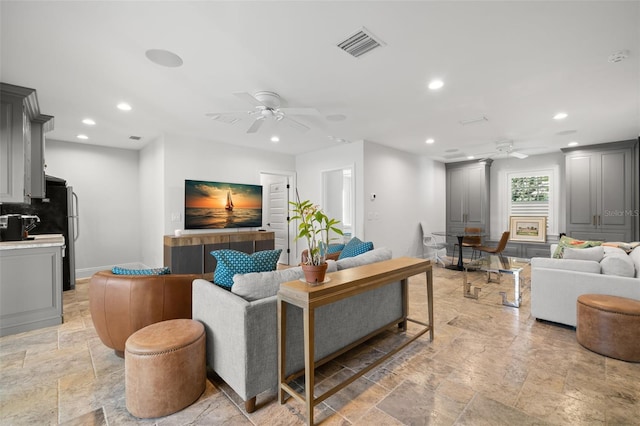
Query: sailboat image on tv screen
{"points": [[219, 205], [229, 205]]}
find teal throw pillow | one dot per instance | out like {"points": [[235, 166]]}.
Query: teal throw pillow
{"points": [[231, 262], [355, 247], [334, 248], [116, 270]]}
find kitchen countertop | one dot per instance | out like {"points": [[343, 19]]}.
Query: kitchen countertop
{"points": [[42, 240]]}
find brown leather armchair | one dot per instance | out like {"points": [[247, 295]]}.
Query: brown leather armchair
{"points": [[123, 304]]}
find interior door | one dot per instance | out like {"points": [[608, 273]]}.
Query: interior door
{"points": [[276, 193]]}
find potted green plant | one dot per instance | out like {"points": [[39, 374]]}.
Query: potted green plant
{"points": [[315, 227]]}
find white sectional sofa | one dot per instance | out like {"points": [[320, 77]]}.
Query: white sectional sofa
{"points": [[557, 283]]}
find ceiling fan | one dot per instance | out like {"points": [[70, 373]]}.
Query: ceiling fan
{"points": [[266, 107], [504, 148]]}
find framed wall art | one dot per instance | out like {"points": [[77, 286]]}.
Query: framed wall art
{"points": [[528, 228]]}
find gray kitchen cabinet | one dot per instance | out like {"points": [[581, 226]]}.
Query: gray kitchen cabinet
{"points": [[22, 129], [602, 191], [35, 166], [467, 195], [31, 283]]}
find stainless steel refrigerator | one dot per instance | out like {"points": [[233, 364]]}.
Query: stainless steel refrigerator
{"points": [[58, 214]]}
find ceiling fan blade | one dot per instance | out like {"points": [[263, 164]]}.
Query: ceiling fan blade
{"points": [[225, 117], [256, 125], [296, 125], [249, 98], [299, 111], [518, 155]]}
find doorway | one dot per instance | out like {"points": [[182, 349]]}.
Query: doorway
{"points": [[277, 191]]}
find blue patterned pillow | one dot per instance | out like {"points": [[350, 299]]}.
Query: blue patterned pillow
{"points": [[334, 248], [355, 247], [116, 270], [231, 262]]}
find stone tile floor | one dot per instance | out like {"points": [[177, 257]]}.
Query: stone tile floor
{"points": [[488, 365]]}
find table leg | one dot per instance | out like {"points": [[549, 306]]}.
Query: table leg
{"points": [[430, 301], [309, 361], [466, 287], [405, 304], [460, 263], [517, 296], [282, 336]]}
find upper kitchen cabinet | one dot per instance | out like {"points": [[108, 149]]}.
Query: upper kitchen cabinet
{"points": [[22, 130], [468, 195], [602, 191], [35, 166]]}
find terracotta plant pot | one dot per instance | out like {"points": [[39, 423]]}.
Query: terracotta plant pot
{"points": [[314, 274]]}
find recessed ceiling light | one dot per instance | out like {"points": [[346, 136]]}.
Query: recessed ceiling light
{"points": [[89, 122], [124, 106], [429, 141], [470, 157], [275, 139], [83, 137], [164, 58], [435, 84], [574, 143], [560, 116]]}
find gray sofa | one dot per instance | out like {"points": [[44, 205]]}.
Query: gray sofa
{"points": [[557, 283], [241, 324]]}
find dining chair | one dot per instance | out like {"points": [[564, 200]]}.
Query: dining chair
{"points": [[502, 244], [433, 248], [471, 241]]}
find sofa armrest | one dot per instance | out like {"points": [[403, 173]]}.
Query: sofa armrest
{"points": [[241, 340]]}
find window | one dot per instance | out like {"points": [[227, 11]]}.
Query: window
{"points": [[533, 193]]}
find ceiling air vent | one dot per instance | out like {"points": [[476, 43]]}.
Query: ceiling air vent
{"points": [[360, 42], [135, 138]]}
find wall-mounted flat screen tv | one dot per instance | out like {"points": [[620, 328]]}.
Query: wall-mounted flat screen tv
{"points": [[220, 205]]}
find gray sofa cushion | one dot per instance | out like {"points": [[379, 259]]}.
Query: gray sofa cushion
{"points": [[592, 253], [375, 255], [258, 285], [617, 262]]}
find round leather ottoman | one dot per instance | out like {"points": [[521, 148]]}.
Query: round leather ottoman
{"points": [[165, 367], [609, 325]]}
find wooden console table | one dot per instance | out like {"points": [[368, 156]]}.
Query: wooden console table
{"points": [[344, 284]]}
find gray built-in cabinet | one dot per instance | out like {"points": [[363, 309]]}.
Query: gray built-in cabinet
{"points": [[602, 191], [22, 141], [467, 196]]}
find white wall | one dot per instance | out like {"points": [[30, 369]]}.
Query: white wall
{"points": [[408, 189], [127, 197], [433, 183], [152, 202], [199, 159], [106, 181], [498, 189]]}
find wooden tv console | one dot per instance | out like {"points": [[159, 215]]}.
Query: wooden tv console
{"points": [[190, 253]]}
